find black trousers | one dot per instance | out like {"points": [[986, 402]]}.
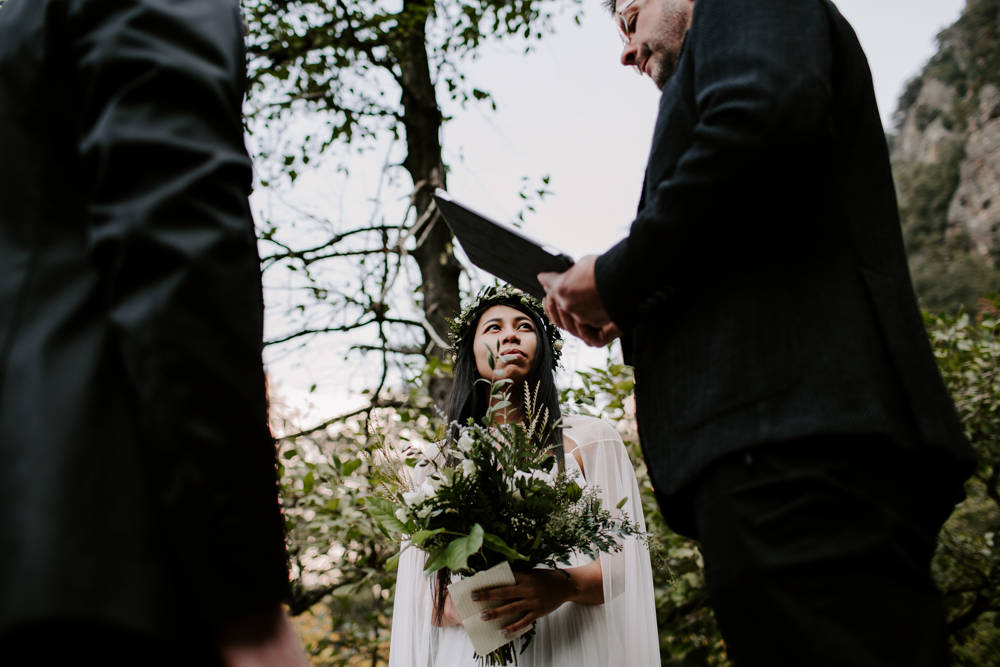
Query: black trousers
{"points": [[817, 553], [60, 643]]}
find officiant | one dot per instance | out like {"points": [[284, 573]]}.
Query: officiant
{"points": [[789, 405]]}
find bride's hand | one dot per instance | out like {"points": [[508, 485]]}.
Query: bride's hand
{"points": [[540, 592]]}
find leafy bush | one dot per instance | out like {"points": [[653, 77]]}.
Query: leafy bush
{"points": [[341, 589], [967, 564]]}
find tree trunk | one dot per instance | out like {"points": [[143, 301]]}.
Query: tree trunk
{"points": [[439, 269]]}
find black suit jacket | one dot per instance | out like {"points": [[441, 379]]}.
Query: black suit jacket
{"points": [[763, 288], [137, 474]]}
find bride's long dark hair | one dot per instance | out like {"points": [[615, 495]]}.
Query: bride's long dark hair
{"points": [[469, 398]]}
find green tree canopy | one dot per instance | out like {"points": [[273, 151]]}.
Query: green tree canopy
{"points": [[364, 71]]}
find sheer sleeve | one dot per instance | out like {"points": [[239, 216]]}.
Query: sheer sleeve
{"points": [[410, 641], [630, 614], [412, 635]]}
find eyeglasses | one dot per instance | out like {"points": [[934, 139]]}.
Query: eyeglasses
{"points": [[623, 28]]}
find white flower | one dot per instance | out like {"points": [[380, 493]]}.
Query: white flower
{"points": [[465, 441], [424, 513], [543, 477], [414, 497], [413, 451], [512, 486], [469, 468], [430, 486], [558, 344], [402, 515], [424, 454], [535, 478], [547, 478], [514, 491]]}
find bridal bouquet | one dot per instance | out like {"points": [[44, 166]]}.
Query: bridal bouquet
{"points": [[494, 498]]}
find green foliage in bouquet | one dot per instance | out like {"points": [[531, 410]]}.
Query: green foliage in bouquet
{"points": [[496, 495]]}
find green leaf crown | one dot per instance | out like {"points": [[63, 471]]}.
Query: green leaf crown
{"points": [[497, 295]]}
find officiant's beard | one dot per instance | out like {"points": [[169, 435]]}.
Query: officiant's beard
{"points": [[664, 47]]}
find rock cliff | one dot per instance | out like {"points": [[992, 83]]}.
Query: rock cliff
{"points": [[946, 160]]}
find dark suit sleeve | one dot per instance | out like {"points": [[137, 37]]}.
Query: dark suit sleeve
{"points": [[761, 81], [171, 236]]}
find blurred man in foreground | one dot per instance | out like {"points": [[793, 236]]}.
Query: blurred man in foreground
{"points": [[138, 496]]}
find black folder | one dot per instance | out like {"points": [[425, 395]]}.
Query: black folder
{"points": [[499, 249]]}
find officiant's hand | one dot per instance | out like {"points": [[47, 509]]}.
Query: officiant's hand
{"points": [[572, 303], [540, 592]]}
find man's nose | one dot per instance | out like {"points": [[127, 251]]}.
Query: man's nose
{"points": [[629, 54]]}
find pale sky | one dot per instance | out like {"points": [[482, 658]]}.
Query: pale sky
{"points": [[570, 110]]}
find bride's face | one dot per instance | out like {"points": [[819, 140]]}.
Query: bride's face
{"points": [[515, 333]]}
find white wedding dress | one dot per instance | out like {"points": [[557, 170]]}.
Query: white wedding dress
{"points": [[619, 633]]}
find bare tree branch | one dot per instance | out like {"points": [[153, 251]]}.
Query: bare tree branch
{"points": [[385, 403]]}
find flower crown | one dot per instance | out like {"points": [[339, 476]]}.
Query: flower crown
{"points": [[498, 294]]}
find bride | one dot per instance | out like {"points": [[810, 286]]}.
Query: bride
{"points": [[602, 614]]}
